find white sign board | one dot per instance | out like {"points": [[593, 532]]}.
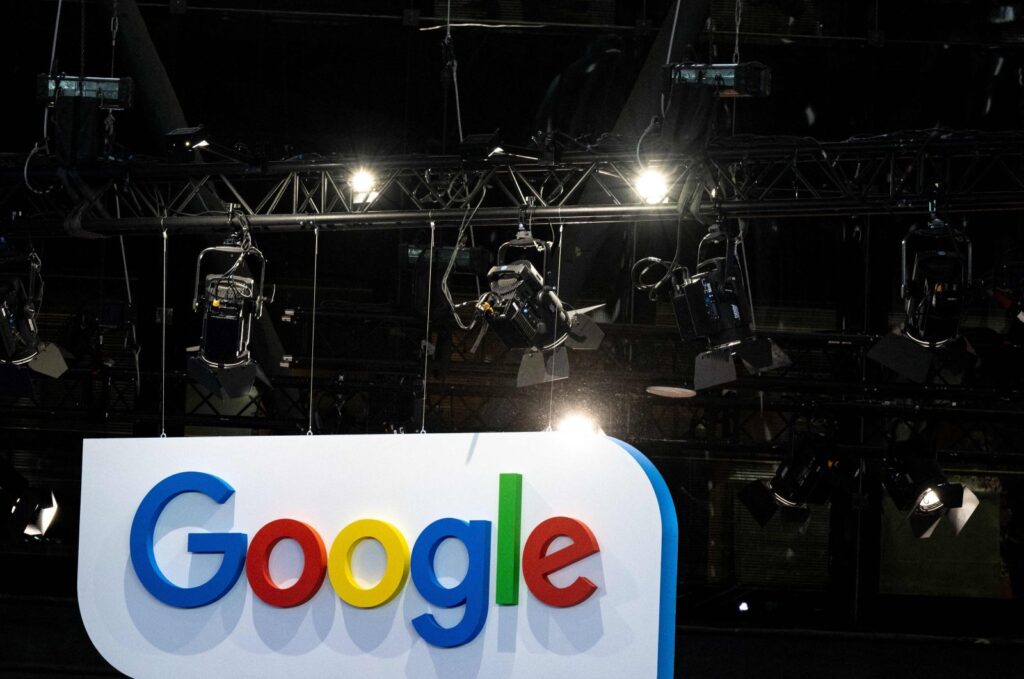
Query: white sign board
{"points": [[418, 556]]}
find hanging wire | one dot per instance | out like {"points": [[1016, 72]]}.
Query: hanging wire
{"points": [[81, 45], [460, 242], [163, 339], [558, 282], [115, 26], [131, 305], [741, 246], [108, 122], [45, 144], [668, 54], [312, 339], [736, 54], [453, 62], [426, 336], [738, 17]]}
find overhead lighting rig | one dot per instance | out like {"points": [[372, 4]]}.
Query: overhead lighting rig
{"points": [[229, 301], [528, 314]]}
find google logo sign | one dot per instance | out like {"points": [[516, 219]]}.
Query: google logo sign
{"points": [[472, 593], [435, 556]]}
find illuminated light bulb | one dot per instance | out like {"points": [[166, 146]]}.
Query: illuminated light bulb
{"points": [[578, 424], [362, 181], [44, 519], [652, 186], [930, 501]]}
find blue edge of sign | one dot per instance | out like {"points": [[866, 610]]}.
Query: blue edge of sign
{"points": [[669, 560]]}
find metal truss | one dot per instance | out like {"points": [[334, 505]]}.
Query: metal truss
{"points": [[899, 173], [747, 177]]}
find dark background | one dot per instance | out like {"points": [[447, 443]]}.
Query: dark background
{"points": [[307, 78]]}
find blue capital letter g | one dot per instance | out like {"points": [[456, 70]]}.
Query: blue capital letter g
{"points": [[231, 545]]}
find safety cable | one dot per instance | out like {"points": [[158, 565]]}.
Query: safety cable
{"points": [[558, 282], [163, 338], [312, 339]]}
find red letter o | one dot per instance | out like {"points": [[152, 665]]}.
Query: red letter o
{"points": [[314, 567]]}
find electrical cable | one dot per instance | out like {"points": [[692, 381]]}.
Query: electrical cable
{"points": [[426, 338], [312, 332], [454, 65], [467, 222], [45, 144]]}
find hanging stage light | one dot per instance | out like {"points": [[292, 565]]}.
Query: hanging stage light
{"points": [[807, 476], [18, 331], [184, 140], [714, 305], [19, 343], [917, 485], [24, 510], [527, 314], [936, 273], [229, 302]]}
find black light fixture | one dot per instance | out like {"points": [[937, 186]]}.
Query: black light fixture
{"points": [[806, 476], [229, 301], [24, 510], [936, 271], [18, 333], [20, 345], [528, 314], [918, 486], [936, 274], [182, 141], [714, 304]]}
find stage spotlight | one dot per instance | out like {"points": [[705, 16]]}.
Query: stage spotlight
{"points": [[229, 302], [23, 510], [652, 186], [45, 515], [578, 423], [363, 184], [714, 305], [807, 476], [936, 273], [183, 140], [917, 485], [527, 314], [19, 334]]}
